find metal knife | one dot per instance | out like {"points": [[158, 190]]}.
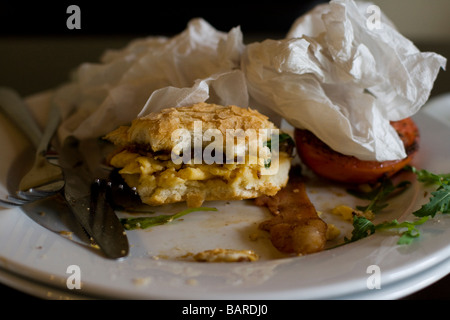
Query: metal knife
{"points": [[88, 199]]}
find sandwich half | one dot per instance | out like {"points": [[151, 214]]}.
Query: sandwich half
{"points": [[200, 153]]}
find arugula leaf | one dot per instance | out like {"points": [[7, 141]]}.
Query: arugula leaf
{"points": [[440, 198], [429, 177], [379, 194], [285, 143], [439, 202], [363, 227], [409, 234], [146, 222]]}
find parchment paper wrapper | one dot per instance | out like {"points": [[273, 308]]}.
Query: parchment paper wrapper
{"points": [[168, 72], [342, 79], [332, 75]]}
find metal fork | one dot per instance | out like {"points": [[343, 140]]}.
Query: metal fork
{"points": [[44, 179]]}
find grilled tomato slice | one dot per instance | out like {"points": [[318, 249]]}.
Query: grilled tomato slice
{"points": [[336, 166]]}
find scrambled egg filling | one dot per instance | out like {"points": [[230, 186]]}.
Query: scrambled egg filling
{"points": [[226, 255], [347, 213], [160, 180]]}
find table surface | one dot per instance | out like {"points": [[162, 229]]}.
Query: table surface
{"points": [[27, 58]]}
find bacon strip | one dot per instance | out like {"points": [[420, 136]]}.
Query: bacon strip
{"points": [[295, 227]]}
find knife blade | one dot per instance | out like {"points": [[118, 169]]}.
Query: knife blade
{"points": [[88, 199]]}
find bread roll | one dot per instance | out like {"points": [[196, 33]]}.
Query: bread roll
{"points": [[199, 153]]}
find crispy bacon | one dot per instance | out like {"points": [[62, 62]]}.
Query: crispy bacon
{"points": [[295, 227]]}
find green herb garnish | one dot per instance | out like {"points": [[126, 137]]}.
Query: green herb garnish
{"points": [[429, 178], [409, 234], [439, 203], [440, 198], [363, 227], [379, 195], [285, 144], [147, 222]]}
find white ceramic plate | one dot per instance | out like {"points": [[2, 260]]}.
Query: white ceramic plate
{"points": [[156, 269]]}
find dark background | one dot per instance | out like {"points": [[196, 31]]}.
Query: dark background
{"points": [[136, 18], [38, 51]]}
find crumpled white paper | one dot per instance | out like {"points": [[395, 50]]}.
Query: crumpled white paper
{"points": [[344, 82], [331, 75], [168, 72]]}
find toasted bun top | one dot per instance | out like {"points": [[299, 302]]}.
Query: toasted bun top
{"points": [[156, 129]]}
